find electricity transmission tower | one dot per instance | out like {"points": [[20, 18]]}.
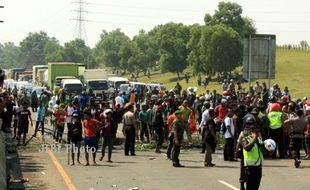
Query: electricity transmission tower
{"points": [[80, 31]]}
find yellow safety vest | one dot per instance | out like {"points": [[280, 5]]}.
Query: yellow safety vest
{"points": [[275, 119], [254, 157]]}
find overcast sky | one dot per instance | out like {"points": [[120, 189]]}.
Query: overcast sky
{"points": [[288, 19]]}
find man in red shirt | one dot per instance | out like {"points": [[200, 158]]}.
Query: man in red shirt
{"points": [[221, 111], [90, 142]]}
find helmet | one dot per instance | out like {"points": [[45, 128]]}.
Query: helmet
{"points": [[275, 107], [250, 120]]}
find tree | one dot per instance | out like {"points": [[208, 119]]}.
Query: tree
{"points": [[220, 48], [32, 49], [194, 55], [76, 51], [9, 55], [107, 50], [53, 51], [172, 39], [145, 52], [229, 14], [304, 44]]}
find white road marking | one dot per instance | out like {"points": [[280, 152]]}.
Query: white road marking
{"points": [[228, 185]]}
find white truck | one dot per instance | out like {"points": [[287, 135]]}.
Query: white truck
{"points": [[96, 79]]}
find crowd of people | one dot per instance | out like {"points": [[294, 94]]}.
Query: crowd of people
{"points": [[242, 119]]}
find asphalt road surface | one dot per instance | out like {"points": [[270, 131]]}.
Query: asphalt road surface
{"points": [[151, 171]]}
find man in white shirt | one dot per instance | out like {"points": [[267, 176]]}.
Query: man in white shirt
{"points": [[119, 100], [205, 117], [229, 137]]}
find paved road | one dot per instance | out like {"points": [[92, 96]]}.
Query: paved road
{"points": [[152, 171]]}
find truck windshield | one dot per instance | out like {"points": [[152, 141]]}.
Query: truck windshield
{"points": [[98, 85], [118, 83], [73, 88]]}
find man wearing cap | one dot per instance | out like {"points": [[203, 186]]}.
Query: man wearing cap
{"points": [[253, 158], [178, 131], [129, 130]]}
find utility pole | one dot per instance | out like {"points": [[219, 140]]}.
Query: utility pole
{"points": [[80, 31]]}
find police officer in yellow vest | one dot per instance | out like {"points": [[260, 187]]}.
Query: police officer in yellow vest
{"points": [[276, 119], [253, 158]]}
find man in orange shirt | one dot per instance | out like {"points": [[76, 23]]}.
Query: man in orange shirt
{"points": [[132, 97], [90, 142]]}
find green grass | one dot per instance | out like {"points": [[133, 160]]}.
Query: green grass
{"points": [[292, 70]]}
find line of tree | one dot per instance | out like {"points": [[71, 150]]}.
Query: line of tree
{"points": [[216, 46]]}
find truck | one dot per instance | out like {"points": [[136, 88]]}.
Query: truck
{"points": [[38, 74], [14, 72], [57, 69], [96, 79]]}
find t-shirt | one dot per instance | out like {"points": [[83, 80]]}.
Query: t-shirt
{"points": [[222, 112], [229, 123], [70, 110], [119, 100], [144, 116], [179, 128], [23, 117], [90, 127]]}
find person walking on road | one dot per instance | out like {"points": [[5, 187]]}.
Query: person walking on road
{"points": [[91, 126], [253, 158], [76, 137], [298, 128], [209, 136], [129, 130], [178, 131], [24, 116], [40, 120], [107, 135]]}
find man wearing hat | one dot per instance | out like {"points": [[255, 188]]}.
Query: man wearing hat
{"points": [[178, 131], [253, 157]]}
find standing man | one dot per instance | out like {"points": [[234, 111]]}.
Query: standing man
{"points": [[185, 112], [276, 119], [178, 131], [91, 126], [229, 137], [298, 128], [24, 116], [129, 130], [253, 158], [209, 135]]}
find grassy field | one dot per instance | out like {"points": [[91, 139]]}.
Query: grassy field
{"points": [[292, 70]]}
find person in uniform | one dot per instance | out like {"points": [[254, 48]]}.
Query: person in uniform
{"points": [[253, 157], [298, 128], [239, 149], [129, 130], [178, 131]]}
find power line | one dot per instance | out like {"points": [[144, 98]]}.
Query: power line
{"points": [[80, 31]]}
